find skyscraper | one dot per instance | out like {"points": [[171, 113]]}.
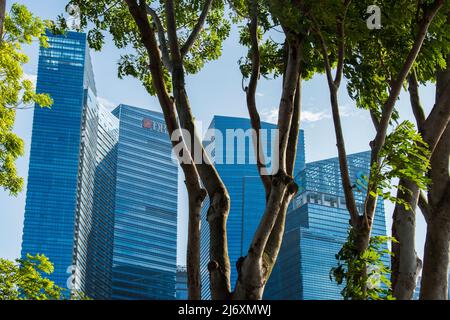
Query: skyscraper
{"points": [[316, 229], [182, 286], [102, 188], [231, 150], [72, 171], [145, 228]]}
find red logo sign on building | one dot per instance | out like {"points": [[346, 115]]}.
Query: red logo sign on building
{"points": [[147, 123]]}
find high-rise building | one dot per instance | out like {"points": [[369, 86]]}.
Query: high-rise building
{"points": [[69, 206], [316, 228], [102, 187], [181, 286], [231, 150], [145, 228]]}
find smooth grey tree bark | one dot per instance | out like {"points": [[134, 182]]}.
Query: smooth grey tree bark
{"points": [[406, 266], [434, 285], [2, 17]]}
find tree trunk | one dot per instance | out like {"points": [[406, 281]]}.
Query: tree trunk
{"points": [[195, 192], [193, 246], [2, 17], [436, 257], [434, 284], [405, 263], [219, 204], [254, 270], [219, 265]]}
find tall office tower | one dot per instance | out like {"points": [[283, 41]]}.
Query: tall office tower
{"points": [[145, 228], [70, 194], [316, 229], [181, 286], [231, 150]]}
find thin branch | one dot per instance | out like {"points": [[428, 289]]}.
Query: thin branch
{"points": [[324, 47], [375, 121], [197, 29], [438, 119], [341, 49], [251, 98], [161, 38], [340, 141], [424, 206], [380, 138], [416, 105]]}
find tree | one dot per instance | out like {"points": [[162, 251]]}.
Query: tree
{"points": [[189, 34], [406, 264], [24, 279], [172, 39], [18, 27], [376, 64], [436, 204]]}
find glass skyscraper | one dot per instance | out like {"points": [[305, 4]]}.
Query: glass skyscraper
{"points": [[231, 150], [181, 286], [316, 228], [145, 228], [102, 187], [72, 171]]}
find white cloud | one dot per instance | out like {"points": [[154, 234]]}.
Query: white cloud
{"points": [[31, 77], [310, 116], [259, 94], [306, 116], [270, 115], [107, 104]]}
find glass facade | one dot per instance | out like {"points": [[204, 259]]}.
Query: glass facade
{"points": [[181, 286], [145, 228], [72, 171], [231, 149], [316, 228]]}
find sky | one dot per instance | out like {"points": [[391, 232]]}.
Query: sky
{"points": [[216, 90]]}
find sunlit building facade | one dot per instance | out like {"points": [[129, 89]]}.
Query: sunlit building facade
{"points": [[145, 228], [102, 187], [182, 286], [71, 180]]}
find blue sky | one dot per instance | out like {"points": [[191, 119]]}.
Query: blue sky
{"points": [[216, 90]]}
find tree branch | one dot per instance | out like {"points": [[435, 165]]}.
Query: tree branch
{"points": [[219, 266], [439, 117], [340, 141], [341, 47], [380, 138], [161, 37], [197, 29], [375, 121], [195, 192], [291, 153], [2, 18], [251, 99], [439, 172], [413, 88], [424, 206]]}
